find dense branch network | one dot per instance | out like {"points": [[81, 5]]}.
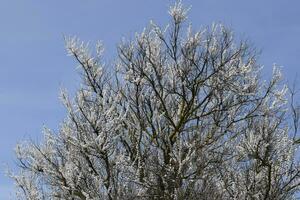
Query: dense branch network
{"points": [[185, 115]]}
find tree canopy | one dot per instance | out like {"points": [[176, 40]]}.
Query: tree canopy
{"points": [[180, 114]]}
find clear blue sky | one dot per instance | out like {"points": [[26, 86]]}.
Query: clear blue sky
{"points": [[34, 65]]}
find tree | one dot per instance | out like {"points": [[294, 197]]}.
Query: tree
{"points": [[185, 115]]}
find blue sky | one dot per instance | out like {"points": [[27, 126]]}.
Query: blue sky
{"points": [[34, 65]]}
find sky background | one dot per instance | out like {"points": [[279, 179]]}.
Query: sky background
{"points": [[34, 64]]}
